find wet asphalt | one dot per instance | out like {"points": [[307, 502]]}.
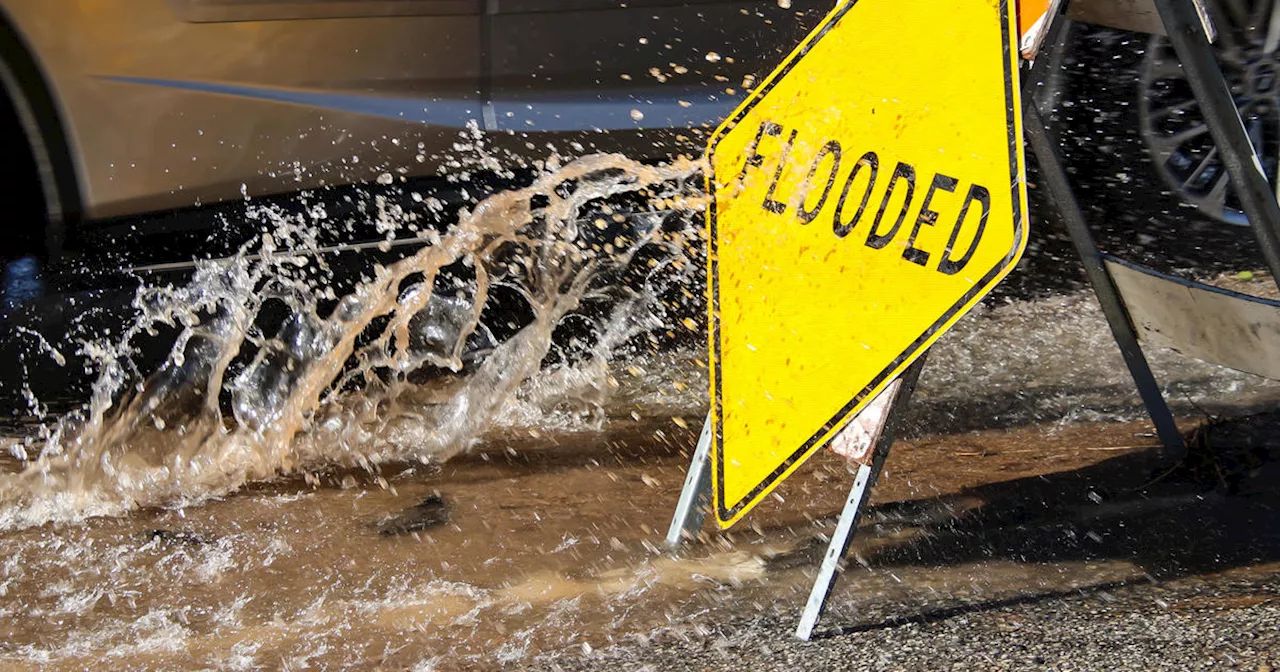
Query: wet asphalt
{"points": [[1202, 591], [1218, 622]]}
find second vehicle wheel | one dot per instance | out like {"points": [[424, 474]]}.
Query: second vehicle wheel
{"points": [[1172, 126]]}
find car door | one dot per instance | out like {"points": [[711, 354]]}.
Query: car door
{"points": [[174, 103]]}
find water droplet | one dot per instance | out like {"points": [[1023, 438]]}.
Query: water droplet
{"points": [[637, 115], [713, 57]]}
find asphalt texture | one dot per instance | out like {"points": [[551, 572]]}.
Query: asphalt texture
{"points": [[1216, 622], [1204, 592]]}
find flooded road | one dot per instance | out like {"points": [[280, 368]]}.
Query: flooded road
{"points": [[462, 449], [554, 550], [1026, 474], [438, 467]]}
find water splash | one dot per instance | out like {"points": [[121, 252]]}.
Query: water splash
{"points": [[403, 367]]}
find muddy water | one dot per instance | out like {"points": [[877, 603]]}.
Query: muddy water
{"points": [[552, 545], [550, 550]]}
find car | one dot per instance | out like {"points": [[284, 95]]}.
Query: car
{"points": [[141, 131], [134, 107]]}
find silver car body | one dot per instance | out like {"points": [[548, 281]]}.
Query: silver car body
{"points": [[174, 103]]}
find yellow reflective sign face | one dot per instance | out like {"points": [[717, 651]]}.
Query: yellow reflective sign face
{"points": [[864, 197]]}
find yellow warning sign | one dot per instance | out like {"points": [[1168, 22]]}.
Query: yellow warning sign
{"points": [[864, 197]]}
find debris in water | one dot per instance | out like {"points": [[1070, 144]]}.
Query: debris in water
{"points": [[429, 513], [1224, 454], [174, 537]]}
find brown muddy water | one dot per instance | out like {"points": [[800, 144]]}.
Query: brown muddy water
{"points": [[552, 548], [1026, 472]]}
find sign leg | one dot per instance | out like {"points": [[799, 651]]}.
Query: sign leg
{"points": [[1103, 287], [840, 541], [854, 505], [696, 494]]}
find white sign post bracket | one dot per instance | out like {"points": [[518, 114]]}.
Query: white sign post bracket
{"points": [[695, 497], [858, 498]]}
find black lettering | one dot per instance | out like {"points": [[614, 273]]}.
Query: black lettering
{"points": [[976, 193], [754, 158], [871, 160], [876, 240], [778, 207], [832, 148], [928, 217]]}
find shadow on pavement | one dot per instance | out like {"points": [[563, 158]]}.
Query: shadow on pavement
{"points": [[1132, 507], [937, 615], [1214, 511]]}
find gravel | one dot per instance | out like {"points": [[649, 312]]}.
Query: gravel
{"points": [[1219, 622]]}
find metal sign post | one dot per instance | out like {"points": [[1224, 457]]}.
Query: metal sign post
{"points": [[859, 495], [1185, 25], [1112, 306], [1182, 22], [846, 237], [695, 497]]}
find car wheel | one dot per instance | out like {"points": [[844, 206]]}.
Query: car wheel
{"points": [[1173, 128]]}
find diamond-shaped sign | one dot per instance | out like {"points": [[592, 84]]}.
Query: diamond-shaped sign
{"points": [[864, 197]]}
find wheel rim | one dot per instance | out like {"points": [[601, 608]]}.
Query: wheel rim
{"points": [[1173, 127]]}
